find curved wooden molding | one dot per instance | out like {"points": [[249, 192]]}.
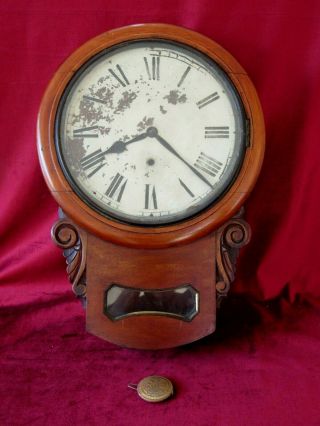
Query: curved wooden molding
{"points": [[74, 244], [233, 235], [134, 235]]}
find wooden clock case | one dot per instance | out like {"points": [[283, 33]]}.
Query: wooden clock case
{"points": [[200, 251]]}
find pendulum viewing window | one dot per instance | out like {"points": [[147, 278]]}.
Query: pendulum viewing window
{"points": [[180, 302]]}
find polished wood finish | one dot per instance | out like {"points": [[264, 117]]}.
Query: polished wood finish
{"points": [[73, 240], [200, 251], [192, 264], [229, 239], [208, 264], [139, 236]]}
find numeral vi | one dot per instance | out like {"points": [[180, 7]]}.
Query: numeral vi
{"points": [[150, 199]]}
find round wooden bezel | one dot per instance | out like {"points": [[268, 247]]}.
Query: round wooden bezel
{"points": [[135, 235]]}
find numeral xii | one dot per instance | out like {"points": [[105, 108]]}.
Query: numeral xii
{"points": [[153, 71]]}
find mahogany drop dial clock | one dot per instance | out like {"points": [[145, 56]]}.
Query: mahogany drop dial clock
{"points": [[151, 138]]}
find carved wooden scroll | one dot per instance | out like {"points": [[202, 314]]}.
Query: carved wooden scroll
{"points": [[233, 235], [74, 244], [230, 237]]}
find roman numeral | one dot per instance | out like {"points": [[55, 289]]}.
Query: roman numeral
{"points": [[216, 132], [91, 160], [184, 186], [81, 133], [150, 197], [184, 75], [154, 73], [208, 164], [90, 98], [122, 79], [115, 188], [206, 101]]}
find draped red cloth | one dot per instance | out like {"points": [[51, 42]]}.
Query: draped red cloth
{"points": [[262, 365]]}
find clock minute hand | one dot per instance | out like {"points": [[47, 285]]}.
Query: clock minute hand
{"points": [[174, 152]]}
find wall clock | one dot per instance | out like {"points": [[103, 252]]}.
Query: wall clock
{"points": [[150, 138]]}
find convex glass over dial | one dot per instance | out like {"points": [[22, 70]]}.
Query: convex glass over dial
{"points": [[150, 132]]}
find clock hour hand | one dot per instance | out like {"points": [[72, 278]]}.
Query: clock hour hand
{"points": [[119, 146], [96, 158], [153, 132]]}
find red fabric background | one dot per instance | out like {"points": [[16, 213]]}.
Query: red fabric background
{"points": [[262, 366]]}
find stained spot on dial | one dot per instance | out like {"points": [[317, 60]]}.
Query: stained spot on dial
{"points": [[125, 101], [90, 112], [175, 97], [101, 80], [150, 162], [164, 111], [104, 131], [103, 93], [145, 123], [74, 153]]}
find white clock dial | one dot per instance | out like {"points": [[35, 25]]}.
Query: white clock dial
{"points": [[150, 132]]}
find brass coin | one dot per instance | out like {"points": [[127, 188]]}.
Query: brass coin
{"points": [[155, 388]]}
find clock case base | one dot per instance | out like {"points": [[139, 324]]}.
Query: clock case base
{"points": [[207, 265]]}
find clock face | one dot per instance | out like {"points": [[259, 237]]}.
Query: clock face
{"points": [[150, 132]]}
